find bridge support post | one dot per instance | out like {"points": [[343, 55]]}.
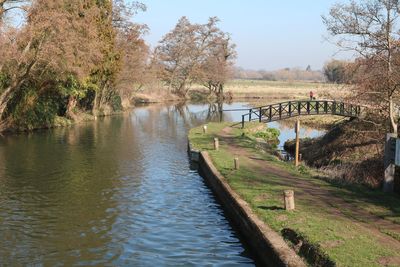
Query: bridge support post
{"points": [[299, 108], [270, 113], [297, 129]]}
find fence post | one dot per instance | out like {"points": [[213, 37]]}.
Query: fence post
{"points": [[299, 107], [270, 112], [334, 107], [290, 109], [259, 119], [242, 121], [250, 111]]}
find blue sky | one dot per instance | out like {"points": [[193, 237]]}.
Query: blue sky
{"points": [[269, 34]]}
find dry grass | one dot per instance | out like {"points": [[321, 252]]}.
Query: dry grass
{"points": [[279, 90]]}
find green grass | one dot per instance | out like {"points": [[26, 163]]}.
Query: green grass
{"points": [[342, 238]]}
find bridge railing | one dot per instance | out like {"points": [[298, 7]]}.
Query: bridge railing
{"points": [[284, 110]]}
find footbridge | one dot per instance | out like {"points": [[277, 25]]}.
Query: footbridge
{"points": [[289, 109]]}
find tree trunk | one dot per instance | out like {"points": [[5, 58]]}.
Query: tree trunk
{"points": [[220, 91], [72, 101], [4, 99], [393, 123]]}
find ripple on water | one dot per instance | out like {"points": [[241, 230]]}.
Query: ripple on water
{"points": [[117, 191]]}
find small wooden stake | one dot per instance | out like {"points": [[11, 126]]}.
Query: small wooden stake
{"points": [[216, 144], [289, 199], [236, 161], [297, 129], [205, 129]]}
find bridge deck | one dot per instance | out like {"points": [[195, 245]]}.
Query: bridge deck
{"points": [[285, 110]]}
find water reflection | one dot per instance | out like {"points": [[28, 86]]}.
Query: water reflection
{"points": [[288, 133], [117, 191]]}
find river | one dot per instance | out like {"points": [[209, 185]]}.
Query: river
{"points": [[118, 191]]}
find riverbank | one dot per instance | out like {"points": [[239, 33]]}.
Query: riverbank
{"points": [[255, 91], [345, 225]]}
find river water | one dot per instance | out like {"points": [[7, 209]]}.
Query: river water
{"points": [[117, 192]]}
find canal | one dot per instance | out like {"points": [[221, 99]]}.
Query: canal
{"points": [[118, 191]]}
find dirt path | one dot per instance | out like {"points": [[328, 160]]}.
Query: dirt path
{"points": [[307, 190]]}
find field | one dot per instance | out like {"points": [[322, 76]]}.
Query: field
{"points": [[281, 90]]}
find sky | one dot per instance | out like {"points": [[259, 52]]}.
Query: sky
{"points": [[269, 34]]}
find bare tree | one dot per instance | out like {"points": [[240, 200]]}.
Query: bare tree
{"points": [[134, 62], [371, 29], [217, 68], [184, 51]]}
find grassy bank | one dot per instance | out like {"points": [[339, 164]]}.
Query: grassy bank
{"points": [[351, 226]]}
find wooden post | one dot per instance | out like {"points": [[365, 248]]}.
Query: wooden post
{"points": [[260, 118], [236, 163], [288, 196], [216, 144], [204, 129], [250, 111], [297, 130], [299, 108], [389, 167], [270, 112]]}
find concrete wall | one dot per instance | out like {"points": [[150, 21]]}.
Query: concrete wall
{"points": [[268, 246]]}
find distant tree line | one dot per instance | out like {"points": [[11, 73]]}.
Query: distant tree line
{"points": [[286, 74]]}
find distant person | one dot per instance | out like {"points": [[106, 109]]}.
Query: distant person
{"points": [[311, 95]]}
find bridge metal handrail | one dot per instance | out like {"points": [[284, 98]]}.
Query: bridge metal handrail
{"points": [[284, 110]]}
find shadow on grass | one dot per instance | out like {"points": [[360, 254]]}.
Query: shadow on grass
{"points": [[270, 208]]}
